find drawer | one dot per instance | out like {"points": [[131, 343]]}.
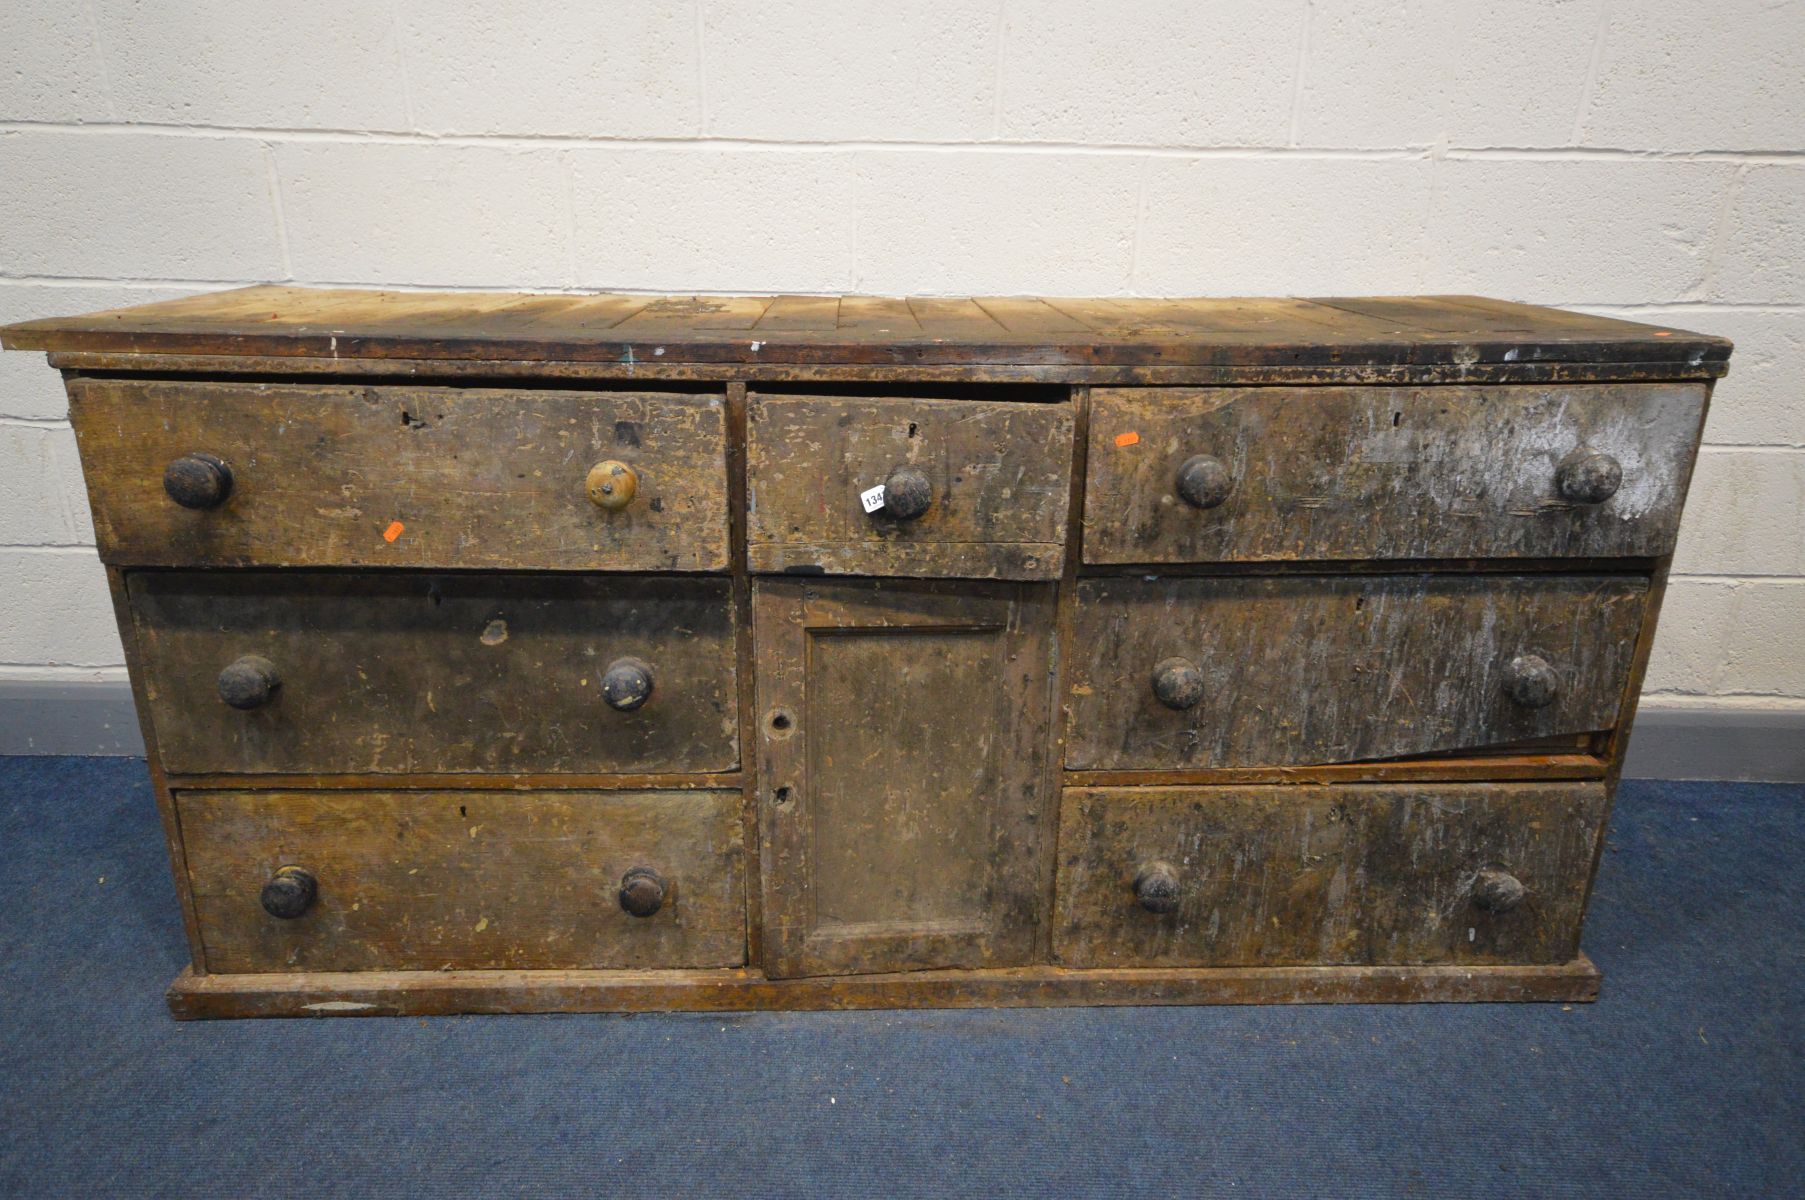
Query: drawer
{"points": [[1276, 473], [331, 475], [426, 881], [1356, 874], [415, 672], [972, 489], [1290, 670]]}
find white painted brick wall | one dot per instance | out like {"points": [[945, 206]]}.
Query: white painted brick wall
{"points": [[1639, 159]]}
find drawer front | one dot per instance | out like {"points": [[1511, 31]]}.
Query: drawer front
{"points": [[1281, 671], [410, 672], [330, 475], [426, 881], [1357, 874], [1268, 474], [972, 489]]}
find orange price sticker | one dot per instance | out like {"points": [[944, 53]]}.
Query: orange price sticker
{"points": [[393, 531], [1127, 439]]}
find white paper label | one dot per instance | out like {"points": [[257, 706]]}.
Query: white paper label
{"points": [[872, 498]]}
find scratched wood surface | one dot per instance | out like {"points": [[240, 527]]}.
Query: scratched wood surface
{"points": [[413, 672], [999, 476], [905, 764], [1351, 473], [1324, 669], [1375, 874], [399, 476], [436, 993], [1459, 331], [461, 880]]}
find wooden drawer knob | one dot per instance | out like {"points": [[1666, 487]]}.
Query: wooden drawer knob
{"points": [[198, 481], [1497, 890], [1156, 888], [1588, 476], [612, 485], [1177, 683], [289, 893], [1531, 682], [1203, 481], [627, 684], [249, 682], [641, 892], [907, 494]]}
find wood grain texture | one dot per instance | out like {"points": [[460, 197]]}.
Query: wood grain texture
{"points": [[999, 477], [438, 993], [463, 880], [1386, 473], [1436, 330], [1374, 874], [472, 477], [411, 672], [905, 761], [1300, 670]]}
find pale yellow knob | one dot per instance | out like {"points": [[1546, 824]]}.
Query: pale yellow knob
{"points": [[612, 485]]}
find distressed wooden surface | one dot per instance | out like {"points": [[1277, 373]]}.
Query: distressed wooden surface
{"points": [[437, 993], [1324, 669], [999, 477], [398, 476], [1374, 874], [1349, 333], [1385, 473], [410, 672], [465, 880], [906, 774]]}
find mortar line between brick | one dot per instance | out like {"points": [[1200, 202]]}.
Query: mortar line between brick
{"points": [[1592, 65]]}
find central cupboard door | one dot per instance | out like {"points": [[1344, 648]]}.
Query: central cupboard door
{"points": [[905, 772]]}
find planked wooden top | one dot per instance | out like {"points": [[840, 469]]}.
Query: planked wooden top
{"points": [[293, 322]]}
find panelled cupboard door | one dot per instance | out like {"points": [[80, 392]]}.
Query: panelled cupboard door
{"points": [[969, 488], [327, 474], [1309, 875], [906, 772], [1282, 473], [1251, 671]]}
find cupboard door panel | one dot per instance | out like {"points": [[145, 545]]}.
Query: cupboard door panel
{"points": [[904, 734]]}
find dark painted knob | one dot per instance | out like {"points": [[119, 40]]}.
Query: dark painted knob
{"points": [[249, 682], [1156, 888], [1588, 476], [1497, 890], [907, 494], [641, 892], [198, 481], [627, 684], [1177, 682], [1203, 481], [1530, 681], [289, 893]]}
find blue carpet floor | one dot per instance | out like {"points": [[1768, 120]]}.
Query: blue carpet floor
{"points": [[1685, 1080]]}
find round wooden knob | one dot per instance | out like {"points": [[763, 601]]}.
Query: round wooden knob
{"points": [[1531, 682], [1156, 888], [1497, 890], [612, 485], [249, 682], [627, 684], [1177, 682], [907, 494], [289, 892], [1588, 476], [1203, 481], [198, 481], [641, 892]]}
